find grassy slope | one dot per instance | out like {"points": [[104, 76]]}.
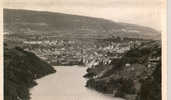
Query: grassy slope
{"points": [[65, 25]]}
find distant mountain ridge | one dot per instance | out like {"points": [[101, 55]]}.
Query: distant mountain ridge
{"points": [[66, 25]]}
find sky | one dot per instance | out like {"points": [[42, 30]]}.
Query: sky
{"points": [[141, 12]]}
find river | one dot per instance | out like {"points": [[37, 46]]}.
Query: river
{"points": [[66, 84]]}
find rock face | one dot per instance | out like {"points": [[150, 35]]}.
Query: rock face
{"points": [[136, 76], [21, 68]]}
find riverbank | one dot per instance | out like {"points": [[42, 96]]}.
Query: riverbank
{"points": [[21, 69], [67, 84], [136, 76]]}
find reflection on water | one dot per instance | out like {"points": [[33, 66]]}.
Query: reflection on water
{"points": [[66, 84]]}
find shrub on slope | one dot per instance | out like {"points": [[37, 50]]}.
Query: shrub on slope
{"points": [[21, 68]]}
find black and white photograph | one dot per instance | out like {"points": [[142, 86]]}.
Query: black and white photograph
{"points": [[83, 49]]}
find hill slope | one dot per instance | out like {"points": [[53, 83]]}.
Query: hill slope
{"points": [[21, 68], [65, 25], [136, 76]]}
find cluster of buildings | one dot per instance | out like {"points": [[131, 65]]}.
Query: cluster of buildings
{"points": [[65, 52]]}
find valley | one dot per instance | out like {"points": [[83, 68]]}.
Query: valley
{"points": [[120, 59]]}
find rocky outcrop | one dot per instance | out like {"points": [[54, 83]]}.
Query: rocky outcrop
{"points": [[21, 68], [136, 76]]}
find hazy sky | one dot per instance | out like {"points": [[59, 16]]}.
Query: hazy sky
{"points": [[142, 12]]}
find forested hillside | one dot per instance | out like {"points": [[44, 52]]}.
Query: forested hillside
{"points": [[136, 76], [21, 68]]}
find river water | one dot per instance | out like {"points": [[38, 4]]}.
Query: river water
{"points": [[66, 84]]}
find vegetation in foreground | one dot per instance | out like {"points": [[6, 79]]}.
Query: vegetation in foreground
{"points": [[21, 68], [136, 76]]}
